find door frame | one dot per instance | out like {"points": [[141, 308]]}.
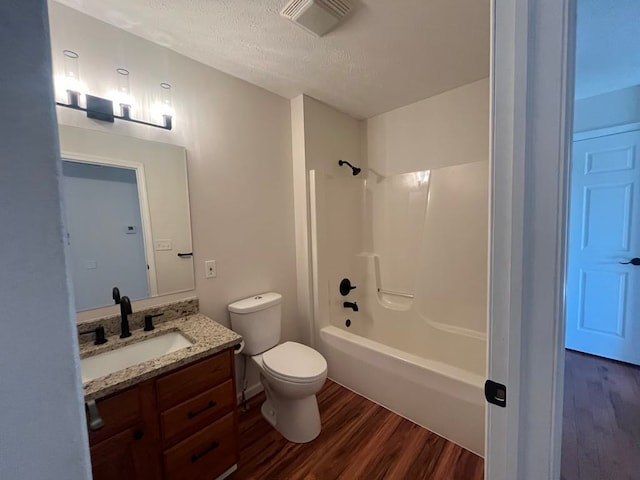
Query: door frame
{"points": [[532, 57], [145, 213]]}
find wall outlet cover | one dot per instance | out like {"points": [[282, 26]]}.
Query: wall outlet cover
{"points": [[161, 245], [210, 270]]}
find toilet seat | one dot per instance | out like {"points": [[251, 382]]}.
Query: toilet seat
{"points": [[294, 362]]}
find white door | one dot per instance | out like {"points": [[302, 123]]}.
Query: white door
{"points": [[604, 220]]}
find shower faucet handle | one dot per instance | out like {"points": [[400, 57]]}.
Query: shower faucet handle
{"points": [[346, 287]]}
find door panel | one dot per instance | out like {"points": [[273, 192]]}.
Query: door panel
{"points": [[612, 160], [602, 300], [607, 217], [601, 293]]}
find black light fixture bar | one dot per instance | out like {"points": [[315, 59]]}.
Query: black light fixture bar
{"points": [[105, 113]]}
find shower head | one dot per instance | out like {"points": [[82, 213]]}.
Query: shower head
{"points": [[356, 170]]}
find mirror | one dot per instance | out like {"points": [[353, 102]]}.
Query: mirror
{"points": [[126, 203]]}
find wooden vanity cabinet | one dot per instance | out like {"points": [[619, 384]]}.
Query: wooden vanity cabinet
{"points": [[126, 447], [199, 419], [122, 456], [182, 425]]}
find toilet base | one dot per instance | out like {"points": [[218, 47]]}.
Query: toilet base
{"points": [[298, 420], [268, 412]]}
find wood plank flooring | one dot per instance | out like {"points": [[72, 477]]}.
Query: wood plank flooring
{"points": [[601, 420], [359, 440]]}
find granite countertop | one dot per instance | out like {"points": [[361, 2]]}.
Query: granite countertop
{"points": [[207, 336]]}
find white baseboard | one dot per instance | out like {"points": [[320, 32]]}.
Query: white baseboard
{"points": [[252, 391]]}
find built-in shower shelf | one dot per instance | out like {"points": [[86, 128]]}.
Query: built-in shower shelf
{"points": [[395, 293]]}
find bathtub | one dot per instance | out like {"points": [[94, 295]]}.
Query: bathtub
{"points": [[416, 344], [443, 398]]}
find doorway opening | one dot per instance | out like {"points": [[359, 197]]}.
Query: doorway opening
{"points": [[601, 419]]}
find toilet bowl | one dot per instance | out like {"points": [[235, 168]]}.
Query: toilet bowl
{"points": [[291, 373]]}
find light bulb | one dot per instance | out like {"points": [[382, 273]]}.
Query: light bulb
{"points": [[166, 105], [72, 77], [123, 96]]}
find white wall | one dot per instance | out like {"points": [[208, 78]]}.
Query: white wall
{"points": [[302, 223], [238, 141], [331, 135], [444, 130], [322, 136], [42, 426], [607, 110]]}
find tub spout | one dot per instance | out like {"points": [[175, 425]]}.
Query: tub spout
{"points": [[352, 305]]}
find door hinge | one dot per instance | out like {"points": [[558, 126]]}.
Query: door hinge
{"points": [[495, 393]]}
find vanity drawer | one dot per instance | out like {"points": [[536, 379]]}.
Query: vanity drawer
{"points": [[205, 455], [118, 412], [197, 412], [184, 384]]}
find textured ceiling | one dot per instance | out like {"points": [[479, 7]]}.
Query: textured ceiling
{"points": [[385, 54], [607, 46]]}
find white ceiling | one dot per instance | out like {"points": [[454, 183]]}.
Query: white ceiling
{"points": [[386, 54], [607, 46]]}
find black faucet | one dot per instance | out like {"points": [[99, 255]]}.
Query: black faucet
{"points": [[125, 309], [100, 335], [115, 293], [352, 305]]}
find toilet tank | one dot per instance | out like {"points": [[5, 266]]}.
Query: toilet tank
{"points": [[258, 320]]}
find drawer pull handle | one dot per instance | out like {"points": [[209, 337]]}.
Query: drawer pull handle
{"points": [[138, 434], [197, 456], [209, 405]]}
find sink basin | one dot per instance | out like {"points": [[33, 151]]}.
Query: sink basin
{"points": [[108, 362]]}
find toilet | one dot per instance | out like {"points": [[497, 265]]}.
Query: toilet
{"points": [[290, 372]]}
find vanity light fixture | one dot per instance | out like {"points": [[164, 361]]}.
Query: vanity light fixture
{"points": [[102, 108]]}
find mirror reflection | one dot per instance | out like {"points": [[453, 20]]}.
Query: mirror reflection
{"points": [[104, 232], [127, 214]]}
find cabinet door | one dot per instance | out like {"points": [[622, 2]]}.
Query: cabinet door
{"points": [[124, 456], [119, 411]]}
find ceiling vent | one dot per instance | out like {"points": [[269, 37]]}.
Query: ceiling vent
{"points": [[316, 16]]}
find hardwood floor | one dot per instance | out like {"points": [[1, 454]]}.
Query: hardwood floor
{"points": [[359, 440], [601, 424]]}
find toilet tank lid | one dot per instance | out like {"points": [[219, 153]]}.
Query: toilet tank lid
{"points": [[255, 303]]}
